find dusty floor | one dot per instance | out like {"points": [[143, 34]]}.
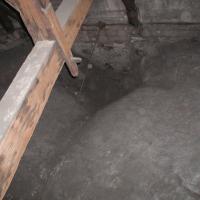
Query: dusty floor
{"points": [[107, 135]]}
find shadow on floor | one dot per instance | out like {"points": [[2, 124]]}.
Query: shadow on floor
{"points": [[143, 146]]}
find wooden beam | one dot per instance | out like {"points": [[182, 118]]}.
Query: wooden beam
{"points": [[65, 10], [60, 37], [23, 103], [22, 106], [72, 20], [44, 3], [42, 24]]}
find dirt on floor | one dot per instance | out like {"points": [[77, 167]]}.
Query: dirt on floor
{"points": [[72, 103], [115, 134]]}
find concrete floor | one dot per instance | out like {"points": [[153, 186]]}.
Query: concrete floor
{"points": [[131, 144]]}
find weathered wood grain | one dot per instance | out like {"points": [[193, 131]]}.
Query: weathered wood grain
{"points": [[42, 24], [22, 106], [23, 103]]}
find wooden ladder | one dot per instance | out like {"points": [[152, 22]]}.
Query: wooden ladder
{"points": [[53, 33]]}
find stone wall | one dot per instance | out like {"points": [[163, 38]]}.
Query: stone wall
{"points": [[111, 41], [108, 11], [162, 20], [170, 18], [169, 11]]}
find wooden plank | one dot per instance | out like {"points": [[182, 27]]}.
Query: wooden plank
{"points": [[43, 24], [22, 105], [60, 37], [75, 18], [13, 4]]}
